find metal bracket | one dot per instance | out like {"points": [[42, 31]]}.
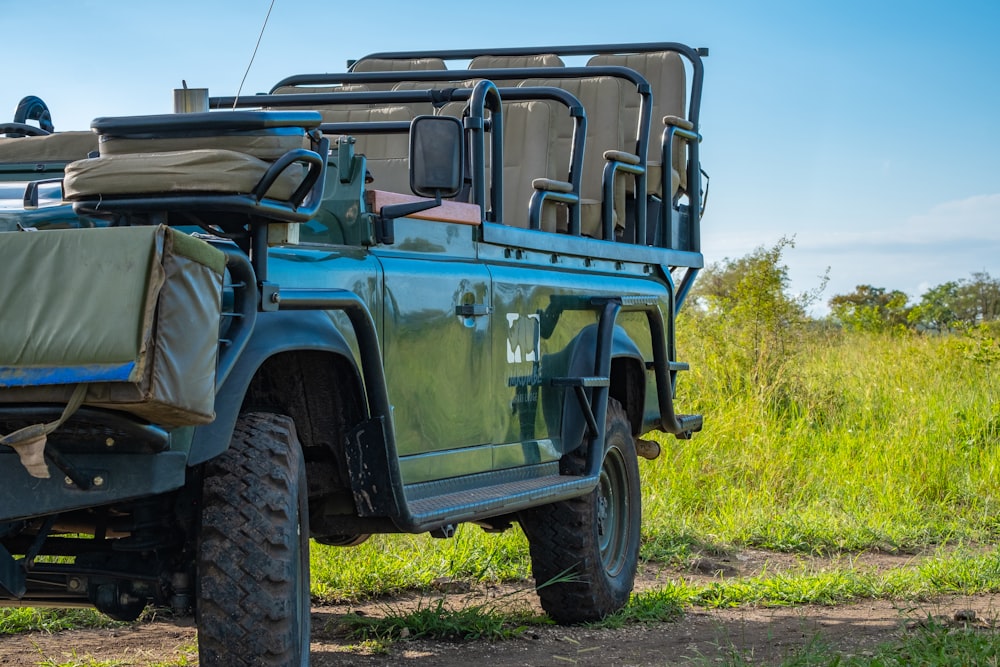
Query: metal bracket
{"points": [[270, 296], [13, 579], [14, 573]]}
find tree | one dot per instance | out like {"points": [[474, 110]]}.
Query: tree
{"points": [[938, 308], [979, 298], [871, 308], [757, 282], [962, 303], [748, 316]]}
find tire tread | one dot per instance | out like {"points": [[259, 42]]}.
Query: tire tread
{"points": [[249, 547], [570, 578]]}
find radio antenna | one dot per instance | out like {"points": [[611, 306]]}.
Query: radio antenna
{"points": [[253, 55]]}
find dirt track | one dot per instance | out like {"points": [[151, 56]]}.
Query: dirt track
{"points": [[700, 636]]}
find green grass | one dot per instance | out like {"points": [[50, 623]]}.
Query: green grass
{"points": [[931, 645], [938, 645], [186, 656], [27, 619], [388, 564], [435, 620], [856, 442], [958, 574], [76, 661], [816, 442]]}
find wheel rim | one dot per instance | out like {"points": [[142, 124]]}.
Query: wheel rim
{"points": [[613, 512]]}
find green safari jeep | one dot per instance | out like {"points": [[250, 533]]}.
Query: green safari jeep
{"points": [[439, 287]]}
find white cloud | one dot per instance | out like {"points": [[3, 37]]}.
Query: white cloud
{"points": [[971, 220], [947, 242], [977, 215]]}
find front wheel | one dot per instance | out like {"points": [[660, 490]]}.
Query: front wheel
{"points": [[585, 551], [253, 550]]}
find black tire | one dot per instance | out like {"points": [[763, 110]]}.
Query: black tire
{"points": [[253, 550], [584, 551]]}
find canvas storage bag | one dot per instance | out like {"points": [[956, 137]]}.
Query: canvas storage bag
{"points": [[125, 318]]}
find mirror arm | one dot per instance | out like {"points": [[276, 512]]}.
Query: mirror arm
{"points": [[384, 228]]}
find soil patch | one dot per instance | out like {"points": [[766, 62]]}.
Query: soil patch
{"points": [[761, 635]]}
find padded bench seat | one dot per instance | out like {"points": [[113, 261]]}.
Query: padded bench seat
{"points": [[268, 144], [58, 147], [175, 172], [214, 153], [664, 71]]}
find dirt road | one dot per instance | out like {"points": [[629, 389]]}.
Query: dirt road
{"points": [[700, 636]]}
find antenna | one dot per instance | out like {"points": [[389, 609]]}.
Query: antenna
{"points": [[253, 55]]}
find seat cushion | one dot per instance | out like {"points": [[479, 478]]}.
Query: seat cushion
{"points": [[196, 171], [269, 144], [58, 147]]}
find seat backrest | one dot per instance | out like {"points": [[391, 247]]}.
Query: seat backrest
{"points": [[387, 154], [395, 65], [496, 62], [608, 124], [664, 70], [609, 128], [340, 88], [531, 150], [427, 108]]}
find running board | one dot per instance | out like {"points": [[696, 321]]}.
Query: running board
{"points": [[505, 498]]}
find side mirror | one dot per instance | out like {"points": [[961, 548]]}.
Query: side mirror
{"points": [[437, 155], [437, 147]]}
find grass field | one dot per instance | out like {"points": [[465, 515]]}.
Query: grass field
{"points": [[853, 442], [816, 441], [822, 443]]}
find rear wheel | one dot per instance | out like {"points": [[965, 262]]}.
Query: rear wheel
{"points": [[253, 550], [584, 551]]}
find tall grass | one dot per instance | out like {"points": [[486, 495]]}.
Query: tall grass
{"points": [[822, 442], [850, 441]]}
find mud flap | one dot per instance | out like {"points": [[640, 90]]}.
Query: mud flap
{"points": [[371, 482]]}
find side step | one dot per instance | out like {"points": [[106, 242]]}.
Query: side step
{"points": [[689, 424], [458, 506], [579, 385]]}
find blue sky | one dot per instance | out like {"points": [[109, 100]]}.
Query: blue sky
{"points": [[866, 130]]}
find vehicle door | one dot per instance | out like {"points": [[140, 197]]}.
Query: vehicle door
{"points": [[436, 349]]}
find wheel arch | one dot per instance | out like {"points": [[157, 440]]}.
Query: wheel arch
{"points": [[283, 344], [628, 386]]}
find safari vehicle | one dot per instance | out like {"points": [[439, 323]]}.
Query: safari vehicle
{"points": [[394, 299]]}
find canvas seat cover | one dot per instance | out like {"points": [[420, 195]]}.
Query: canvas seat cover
{"points": [[130, 314], [176, 172], [268, 145], [58, 147]]}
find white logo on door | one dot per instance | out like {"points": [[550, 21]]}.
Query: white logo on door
{"points": [[523, 338]]}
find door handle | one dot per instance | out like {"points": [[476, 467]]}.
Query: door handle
{"points": [[473, 310]]}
